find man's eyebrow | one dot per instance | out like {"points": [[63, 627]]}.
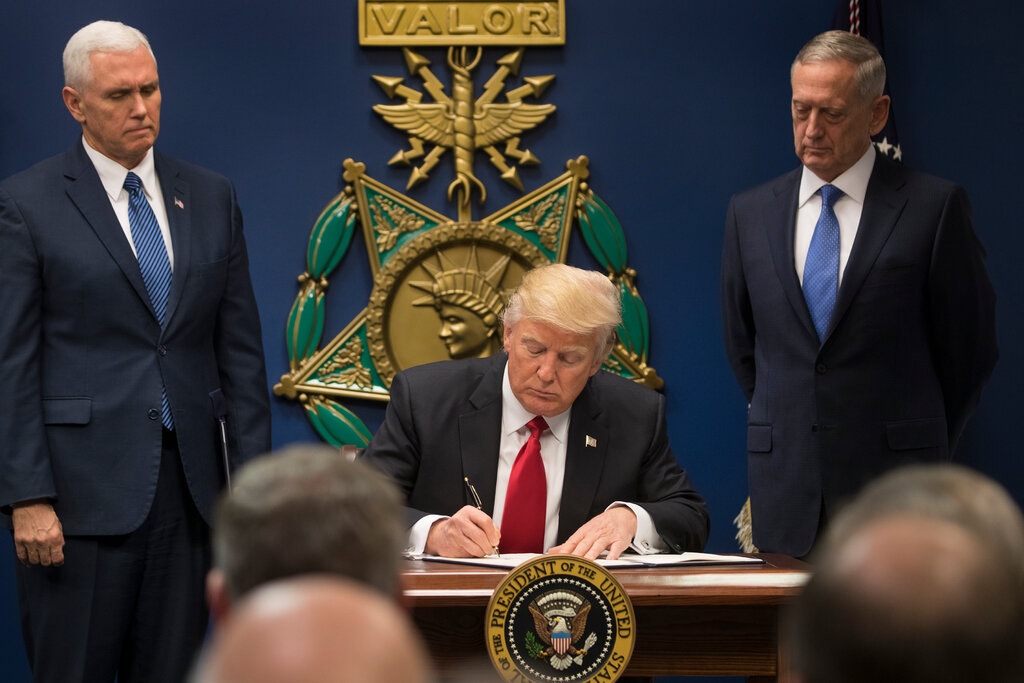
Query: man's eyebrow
{"points": [[120, 89], [529, 339]]}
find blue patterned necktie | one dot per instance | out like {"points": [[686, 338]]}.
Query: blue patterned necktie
{"points": [[821, 270], [153, 262]]}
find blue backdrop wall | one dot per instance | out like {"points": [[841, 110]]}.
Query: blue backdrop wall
{"points": [[677, 104]]}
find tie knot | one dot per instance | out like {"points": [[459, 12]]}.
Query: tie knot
{"points": [[132, 183], [829, 194], [537, 426]]}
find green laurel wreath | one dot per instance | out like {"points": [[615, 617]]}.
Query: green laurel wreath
{"points": [[328, 242], [603, 235]]}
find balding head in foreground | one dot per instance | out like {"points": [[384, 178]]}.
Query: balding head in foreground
{"points": [[315, 629]]}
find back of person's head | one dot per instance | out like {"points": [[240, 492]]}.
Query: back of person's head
{"points": [[919, 579], [315, 629], [99, 36], [944, 490], [909, 598], [578, 301], [308, 509]]}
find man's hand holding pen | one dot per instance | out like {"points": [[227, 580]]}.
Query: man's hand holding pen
{"points": [[470, 532], [479, 506]]}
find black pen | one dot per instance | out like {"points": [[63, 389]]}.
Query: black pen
{"points": [[479, 505]]}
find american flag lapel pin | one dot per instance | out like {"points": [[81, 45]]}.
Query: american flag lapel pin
{"points": [[178, 203], [591, 441]]}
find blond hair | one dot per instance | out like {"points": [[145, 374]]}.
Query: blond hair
{"points": [[578, 301]]}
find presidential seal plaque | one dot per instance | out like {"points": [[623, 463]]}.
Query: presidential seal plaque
{"points": [[560, 618]]}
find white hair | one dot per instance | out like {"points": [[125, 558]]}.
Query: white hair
{"points": [[99, 36]]}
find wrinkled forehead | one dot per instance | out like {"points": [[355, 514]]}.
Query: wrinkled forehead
{"points": [[541, 336], [133, 65]]}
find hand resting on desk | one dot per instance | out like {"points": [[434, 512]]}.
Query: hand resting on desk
{"points": [[612, 530]]}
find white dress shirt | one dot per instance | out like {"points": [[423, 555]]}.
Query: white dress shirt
{"points": [[514, 434], [854, 184], [112, 175]]}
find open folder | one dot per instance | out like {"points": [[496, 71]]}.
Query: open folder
{"points": [[628, 561]]}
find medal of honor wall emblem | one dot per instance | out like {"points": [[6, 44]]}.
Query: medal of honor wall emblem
{"points": [[439, 282]]}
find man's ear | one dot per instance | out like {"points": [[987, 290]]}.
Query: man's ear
{"points": [[879, 113], [73, 101]]}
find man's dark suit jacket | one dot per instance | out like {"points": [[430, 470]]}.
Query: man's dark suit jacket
{"points": [[444, 424], [910, 344], [82, 354]]}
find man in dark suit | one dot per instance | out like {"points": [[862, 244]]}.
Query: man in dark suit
{"points": [[456, 430], [861, 329], [131, 358]]}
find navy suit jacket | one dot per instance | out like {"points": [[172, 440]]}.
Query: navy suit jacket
{"points": [[910, 344], [82, 357], [444, 422]]}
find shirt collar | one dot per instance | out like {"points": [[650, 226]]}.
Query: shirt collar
{"points": [[514, 416], [112, 174], [853, 181]]}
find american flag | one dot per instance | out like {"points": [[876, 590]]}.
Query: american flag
{"points": [[864, 17]]}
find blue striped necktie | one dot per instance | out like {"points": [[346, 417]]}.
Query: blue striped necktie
{"points": [[153, 262], [821, 270]]}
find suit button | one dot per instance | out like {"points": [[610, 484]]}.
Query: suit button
{"points": [[162, 350], [153, 414], [821, 368]]}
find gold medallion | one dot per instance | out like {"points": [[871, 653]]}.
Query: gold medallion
{"points": [[560, 618]]}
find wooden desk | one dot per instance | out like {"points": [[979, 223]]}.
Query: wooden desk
{"points": [[691, 621]]}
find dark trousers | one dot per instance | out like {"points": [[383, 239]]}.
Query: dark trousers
{"points": [[128, 607]]}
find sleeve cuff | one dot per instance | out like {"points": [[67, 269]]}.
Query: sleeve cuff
{"points": [[419, 532], [647, 540]]}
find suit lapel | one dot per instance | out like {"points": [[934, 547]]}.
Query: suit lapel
{"points": [[883, 205], [480, 433], [177, 202], [583, 463], [781, 222], [480, 439], [87, 193]]}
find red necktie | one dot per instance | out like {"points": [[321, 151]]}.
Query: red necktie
{"points": [[522, 523]]}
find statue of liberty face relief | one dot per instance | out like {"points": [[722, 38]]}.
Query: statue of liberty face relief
{"points": [[467, 335], [469, 304]]}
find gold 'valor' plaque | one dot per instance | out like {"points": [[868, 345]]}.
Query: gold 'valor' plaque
{"points": [[466, 22], [440, 283]]}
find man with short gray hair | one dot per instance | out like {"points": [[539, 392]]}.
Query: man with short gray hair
{"points": [[131, 330], [858, 315], [305, 509]]}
